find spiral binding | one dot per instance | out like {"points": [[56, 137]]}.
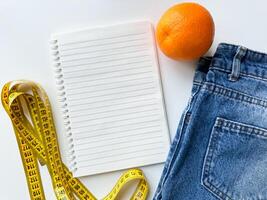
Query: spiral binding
{"points": [[64, 105]]}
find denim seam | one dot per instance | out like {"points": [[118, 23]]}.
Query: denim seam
{"points": [[209, 156], [240, 127], [207, 166], [171, 159], [178, 141], [241, 73], [198, 83], [233, 94]]}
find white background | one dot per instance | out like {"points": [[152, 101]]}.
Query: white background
{"points": [[25, 29]]}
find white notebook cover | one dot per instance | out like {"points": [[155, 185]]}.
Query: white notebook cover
{"points": [[109, 85]]}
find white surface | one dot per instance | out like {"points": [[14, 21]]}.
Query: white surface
{"points": [[26, 26]]}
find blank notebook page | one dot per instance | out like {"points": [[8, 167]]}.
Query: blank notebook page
{"points": [[110, 89]]}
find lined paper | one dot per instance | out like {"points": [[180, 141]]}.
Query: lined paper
{"points": [[114, 98]]}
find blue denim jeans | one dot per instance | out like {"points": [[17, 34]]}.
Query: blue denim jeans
{"points": [[220, 148]]}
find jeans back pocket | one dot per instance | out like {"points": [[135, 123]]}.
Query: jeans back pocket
{"points": [[235, 165]]}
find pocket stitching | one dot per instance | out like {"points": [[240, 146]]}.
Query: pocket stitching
{"points": [[207, 164], [238, 128], [233, 94]]}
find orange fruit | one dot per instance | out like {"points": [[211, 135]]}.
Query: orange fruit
{"points": [[185, 31]]}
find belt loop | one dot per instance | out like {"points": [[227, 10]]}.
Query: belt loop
{"points": [[240, 53]]}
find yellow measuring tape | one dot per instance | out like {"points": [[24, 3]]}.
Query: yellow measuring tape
{"points": [[29, 109]]}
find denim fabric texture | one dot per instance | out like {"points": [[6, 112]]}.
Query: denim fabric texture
{"points": [[220, 148]]}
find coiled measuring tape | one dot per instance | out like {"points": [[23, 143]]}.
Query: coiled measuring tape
{"points": [[29, 109]]}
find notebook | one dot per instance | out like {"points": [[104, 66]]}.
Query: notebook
{"points": [[112, 103]]}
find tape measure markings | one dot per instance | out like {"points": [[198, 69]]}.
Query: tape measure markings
{"points": [[37, 142]]}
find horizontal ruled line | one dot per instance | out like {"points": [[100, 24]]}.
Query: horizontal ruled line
{"points": [[105, 55], [114, 93], [114, 82], [109, 116], [103, 50], [130, 88], [118, 59], [103, 78], [104, 44], [114, 154], [123, 142], [123, 159], [112, 132], [107, 72], [121, 125], [106, 66], [116, 109], [125, 97], [123, 136], [102, 38], [77, 112], [120, 120], [109, 88]]}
